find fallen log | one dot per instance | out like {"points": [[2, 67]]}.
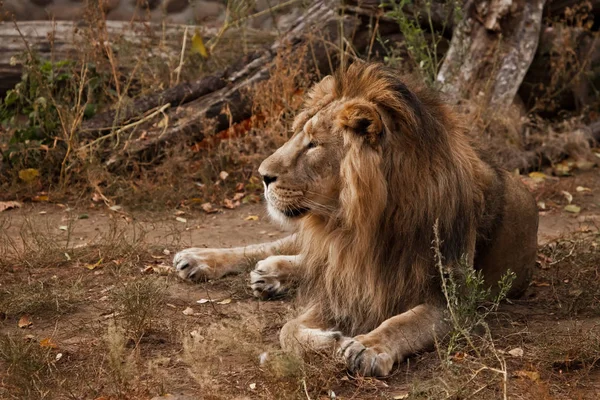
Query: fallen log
{"points": [[233, 102], [174, 96]]}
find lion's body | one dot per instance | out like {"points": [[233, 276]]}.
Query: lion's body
{"points": [[372, 168]]}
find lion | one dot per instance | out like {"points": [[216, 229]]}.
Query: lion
{"points": [[374, 164]]}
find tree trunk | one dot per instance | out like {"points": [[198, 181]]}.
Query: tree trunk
{"points": [[491, 50]]}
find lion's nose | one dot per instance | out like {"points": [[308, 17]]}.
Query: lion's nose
{"points": [[268, 179]]}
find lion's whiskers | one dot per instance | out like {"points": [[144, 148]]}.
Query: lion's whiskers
{"points": [[322, 208]]}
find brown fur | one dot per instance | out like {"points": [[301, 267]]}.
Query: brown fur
{"points": [[379, 245]]}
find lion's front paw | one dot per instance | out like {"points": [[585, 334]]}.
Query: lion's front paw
{"points": [[270, 278], [366, 360], [196, 264]]}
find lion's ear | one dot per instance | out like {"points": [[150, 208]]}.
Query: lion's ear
{"points": [[362, 118]]}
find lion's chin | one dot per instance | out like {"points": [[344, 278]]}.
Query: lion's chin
{"points": [[287, 216]]}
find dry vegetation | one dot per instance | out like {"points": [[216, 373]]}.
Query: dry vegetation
{"points": [[102, 318], [107, 320]]}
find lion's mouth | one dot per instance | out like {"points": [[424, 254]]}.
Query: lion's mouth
{"points": [[295, 212]]}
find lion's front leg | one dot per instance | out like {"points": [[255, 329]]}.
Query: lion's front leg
{"points": [[375, 353], [197, 264]]}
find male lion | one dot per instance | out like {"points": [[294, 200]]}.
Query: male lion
{"points": [[372, 167]]}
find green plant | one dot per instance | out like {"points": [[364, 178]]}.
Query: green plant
{"points": [[35, 110], [421, 38], [470, 301], [468, 297]]}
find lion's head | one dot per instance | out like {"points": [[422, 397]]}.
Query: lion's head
{"points": [[371, 167]]}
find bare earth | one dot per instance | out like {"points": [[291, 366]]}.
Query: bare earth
{"points": [[189, 350]]}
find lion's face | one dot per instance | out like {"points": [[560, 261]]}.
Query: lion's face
{"points": [[302, 176], [307, 174]]}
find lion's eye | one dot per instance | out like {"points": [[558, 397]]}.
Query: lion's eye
{"points": [[312, 144]]}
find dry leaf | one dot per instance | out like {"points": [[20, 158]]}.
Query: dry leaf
{"points": [[48, 343], [7, 205], [531, 375], [198, 44], [563, 168], [224, 301], [401, 396], [568, 196], [188, 311], [208, 208], [40, 198], [537, 177], [179, 213], [230, 204], [181, 219], [223, 175], [238, 196], [94, 266], [148, 269], [572, 208], [24, 322], [251, 218], [516, 352], [162, 269], [28, 175]]}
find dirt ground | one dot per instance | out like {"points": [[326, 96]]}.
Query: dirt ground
{"points": [[88, 310]]}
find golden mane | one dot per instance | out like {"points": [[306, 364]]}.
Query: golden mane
{"points": [[373, 258]]}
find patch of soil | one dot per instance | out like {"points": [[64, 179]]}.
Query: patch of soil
{"points": [[213, 351]]}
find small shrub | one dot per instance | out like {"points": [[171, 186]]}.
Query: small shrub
{"points": [[138, 304], [28, 367]]}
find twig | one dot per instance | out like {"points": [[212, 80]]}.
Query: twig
{"points": [[180, 67], [128, 126], [305, 389], [226, 25]]}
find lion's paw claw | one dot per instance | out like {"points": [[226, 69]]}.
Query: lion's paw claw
{"points": [[191, 265], [265, 281], [365, 361]]}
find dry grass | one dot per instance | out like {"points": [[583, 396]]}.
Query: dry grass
{"points": [[29, 368], [123, 334], [41, 297], [138, 304]]}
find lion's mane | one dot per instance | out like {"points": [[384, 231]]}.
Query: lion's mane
{"points": [[373, 258]]}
